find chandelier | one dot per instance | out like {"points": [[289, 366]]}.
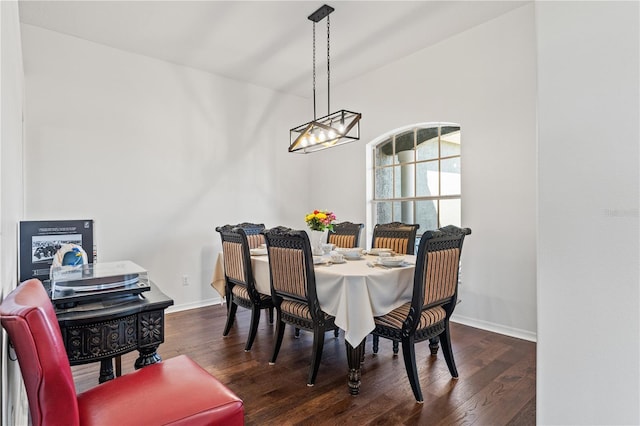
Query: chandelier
{"points": [[334, 129]]}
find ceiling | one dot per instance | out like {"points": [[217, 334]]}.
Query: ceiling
{"points": [[266, 43]]}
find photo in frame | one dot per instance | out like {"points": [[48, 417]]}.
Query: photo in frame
{"points": [[38, 242]]}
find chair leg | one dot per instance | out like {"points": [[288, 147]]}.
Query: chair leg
{"points": [[409, 354], [396, 347], [230, 317], [255, 320], [316, 355], [297, 333], [434, 345], [336, 332], [279, 335], [376, 344], [445, 339], [270, 315]]}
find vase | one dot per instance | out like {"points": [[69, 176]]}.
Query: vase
{"points": [[317, 239]]}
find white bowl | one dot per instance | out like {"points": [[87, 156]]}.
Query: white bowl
{"points": [[392, 261], [355, 250], [352, 255]]}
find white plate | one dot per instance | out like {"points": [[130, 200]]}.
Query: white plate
{"points": [[337, 262], [318, 260], [391, 261], [377, 251], [258, 252]]}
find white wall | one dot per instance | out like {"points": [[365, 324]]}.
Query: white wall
{"points": [[14, 402], [588, 252], [485, 80], [158, 154]]}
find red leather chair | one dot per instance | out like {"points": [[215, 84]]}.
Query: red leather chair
{"points": [[176, 391]]}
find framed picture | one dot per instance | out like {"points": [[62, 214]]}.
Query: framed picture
{"points": [[40, 240]]}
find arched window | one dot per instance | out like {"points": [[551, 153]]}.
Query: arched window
{"points": [[416, 176]]}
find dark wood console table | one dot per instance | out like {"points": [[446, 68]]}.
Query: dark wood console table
{"points": [[106, 329]]}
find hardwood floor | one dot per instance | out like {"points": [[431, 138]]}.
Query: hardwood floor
{"points": [[496, 385]]}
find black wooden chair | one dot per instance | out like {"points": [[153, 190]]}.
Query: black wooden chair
{"points": [[293, 288], [397, 236], [435, 292], [345, 234], [240, 286]]}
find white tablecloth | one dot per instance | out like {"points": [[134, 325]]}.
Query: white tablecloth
{"points": [[352, 292]]}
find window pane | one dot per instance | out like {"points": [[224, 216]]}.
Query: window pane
{"points": [[384, 182], [427, 143], [427, 215], [403, 211], [383, 213], [427, 179], [384, 153], [405, 147], [450, 141], [450, 212], [405, 180], [450, 176]]}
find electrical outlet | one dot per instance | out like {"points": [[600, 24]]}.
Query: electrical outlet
{"points": [[185, 280]]}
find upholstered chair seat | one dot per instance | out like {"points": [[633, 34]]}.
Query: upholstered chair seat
{"points": [[395, 318], [242, 293]]}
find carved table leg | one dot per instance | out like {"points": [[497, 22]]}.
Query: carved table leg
{"points": [[106, 370], [354, 356], [434, 344], [147, 356]]}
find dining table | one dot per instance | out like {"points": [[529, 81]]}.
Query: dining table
{"points": [[353, 291]]}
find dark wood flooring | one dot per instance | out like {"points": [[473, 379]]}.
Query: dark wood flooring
{"points": [[497, 383]]}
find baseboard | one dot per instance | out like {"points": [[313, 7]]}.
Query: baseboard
{"points": [[495, 328], [194, 305]]}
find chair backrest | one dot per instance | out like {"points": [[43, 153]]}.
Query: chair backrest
{"points": [[253, 232], [345, 234], [237, 258], [437, 267], [399, 237], [30, 320], [291, 267]]}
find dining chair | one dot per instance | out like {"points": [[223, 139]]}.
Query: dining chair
{"points": [[435, 292], [174, 391], [240, 288], [293, 288], [397, 236], [345, 234]]}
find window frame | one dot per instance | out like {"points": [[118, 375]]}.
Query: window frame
{"points": [[373, 167]]}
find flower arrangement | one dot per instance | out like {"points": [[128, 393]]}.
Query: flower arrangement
{"points": [[320, 220]]}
